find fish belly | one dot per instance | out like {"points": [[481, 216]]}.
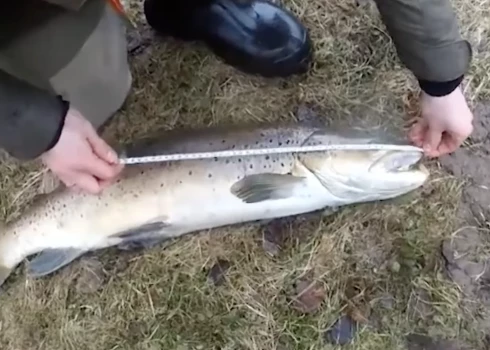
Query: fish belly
{"points": [[225, 209]]}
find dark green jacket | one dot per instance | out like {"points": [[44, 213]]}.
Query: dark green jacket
{"points": [[425, 33]]}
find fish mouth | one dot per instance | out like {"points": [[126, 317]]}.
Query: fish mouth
{"points": [[398, 162], [418, 167]]}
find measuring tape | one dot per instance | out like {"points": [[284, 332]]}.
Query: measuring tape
{"points": [[264, 151]]}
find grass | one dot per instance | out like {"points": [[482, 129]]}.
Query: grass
{"points": [[361, 256]]}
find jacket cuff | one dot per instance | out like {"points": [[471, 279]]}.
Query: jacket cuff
{"points": [[65, 106], [439, 89], [31, 119]]}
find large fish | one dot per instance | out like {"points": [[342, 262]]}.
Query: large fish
{"points": [[154, 202]]}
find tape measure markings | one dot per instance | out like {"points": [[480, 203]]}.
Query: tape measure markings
{"points": [[263, 151]]}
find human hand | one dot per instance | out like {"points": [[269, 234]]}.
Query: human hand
{"points": [[446, 123], [81, 158]]}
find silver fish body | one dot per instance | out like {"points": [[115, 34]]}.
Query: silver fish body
{"points": [[153, 202]]}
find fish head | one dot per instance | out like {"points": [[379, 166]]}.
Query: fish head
{"points": [[354, 176]]}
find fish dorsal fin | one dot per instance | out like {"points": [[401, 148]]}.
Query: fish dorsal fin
{"points": [[262, 187]]}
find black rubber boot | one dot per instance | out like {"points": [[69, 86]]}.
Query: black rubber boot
{"points": [[254, 36]]}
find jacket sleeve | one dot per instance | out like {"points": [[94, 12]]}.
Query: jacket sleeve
{"points": [[428, 41], [31, 119]]}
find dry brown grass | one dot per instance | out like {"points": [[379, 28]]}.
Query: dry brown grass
{"points": [[160, 299]]}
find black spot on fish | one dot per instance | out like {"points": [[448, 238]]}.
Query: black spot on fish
{"points": [[279, 143], [282, 164], [190, 172], [180, 182], [210, 175], [227, 161], [271, 140], [267, 157], [239, 160], [262, 134], [215, 159], [142, 172], [223, 141], [251, 166], [265, 166], [233, 146], [256, 142], [288, 142], [161, 185]]}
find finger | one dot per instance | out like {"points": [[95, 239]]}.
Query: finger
{"points": [[101, 148], [103, 184], [416, 133], [87, 183], [432, 140], [101, 169], [106, 183], [67, 179]]}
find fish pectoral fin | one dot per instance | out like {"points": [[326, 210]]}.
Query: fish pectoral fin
{"points": [[262, 187], [143, 236], [51, 260]]}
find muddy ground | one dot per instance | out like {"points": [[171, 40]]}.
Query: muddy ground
{"points": [[467, 252]]}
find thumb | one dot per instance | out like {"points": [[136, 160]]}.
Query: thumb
{"points": [[100, 147], [433, 138]]}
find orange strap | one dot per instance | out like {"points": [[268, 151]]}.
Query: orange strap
{"points": [[116, 5], [119, 8]]}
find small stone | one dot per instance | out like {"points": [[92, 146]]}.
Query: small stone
{"points": [[342, 332], [216, 274], [395, 267]]}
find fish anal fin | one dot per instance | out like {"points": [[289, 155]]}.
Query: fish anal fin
{"points": [[51, 260], [143, 236], [261, 187]]}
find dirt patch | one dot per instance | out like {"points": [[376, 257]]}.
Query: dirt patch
{"points": [[467, 252]]}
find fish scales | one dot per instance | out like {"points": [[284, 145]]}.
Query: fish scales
{"points": [[153, 202]]}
